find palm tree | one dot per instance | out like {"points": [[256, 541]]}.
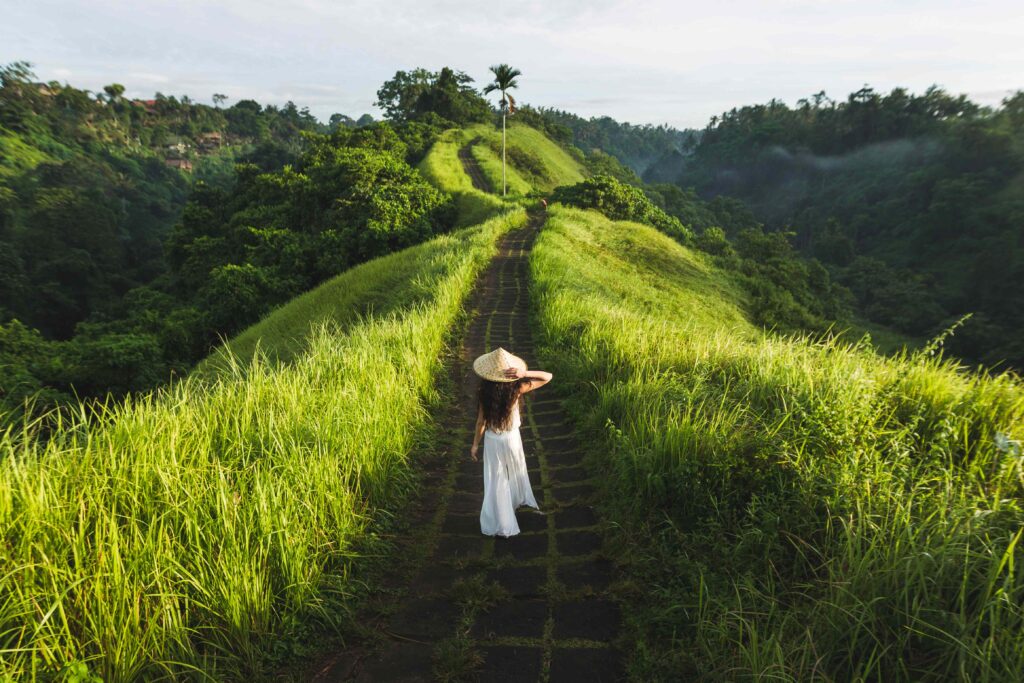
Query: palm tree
{"points": [[504, 80]]}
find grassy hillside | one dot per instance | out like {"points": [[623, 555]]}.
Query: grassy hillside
{"points": [[792, 509], [535, 163], [390, 285], [516, 184], [213, 526], [443, 169], [798, 508]]}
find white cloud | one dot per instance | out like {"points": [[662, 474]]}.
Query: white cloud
{"points": [[638, 61]]}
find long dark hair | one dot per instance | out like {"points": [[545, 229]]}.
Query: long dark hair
{"points": [[497, 400]]}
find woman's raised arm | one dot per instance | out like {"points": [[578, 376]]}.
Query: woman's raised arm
{"points": [[538, 378]]}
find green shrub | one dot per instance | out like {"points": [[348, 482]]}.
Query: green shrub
{"points": [[713, 241], [621, 202], [599, 163]]}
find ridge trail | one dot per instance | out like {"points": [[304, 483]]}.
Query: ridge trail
{"points": [[533, 607], [472, 167]]}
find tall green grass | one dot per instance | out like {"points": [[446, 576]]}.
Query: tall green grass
{"points": [[201, 531], [443, 169], [796, 509], [534, 161], [490, 164], [385, 286]]}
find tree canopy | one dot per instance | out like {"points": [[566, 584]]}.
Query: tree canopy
{"points": [[912, 201], [416, 94], [117, 268]]}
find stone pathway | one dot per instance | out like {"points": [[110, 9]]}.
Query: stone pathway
{"points": [[467, 607], [472, 167]]}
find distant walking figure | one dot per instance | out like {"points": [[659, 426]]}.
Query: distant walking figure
{"points": [[503, 381], [544, 203]]}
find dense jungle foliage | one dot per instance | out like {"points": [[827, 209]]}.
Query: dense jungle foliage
{"points": [[637, 146], [121, 270], [914, 202]]}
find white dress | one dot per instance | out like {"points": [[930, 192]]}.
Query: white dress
{"points": [[506, 482]]}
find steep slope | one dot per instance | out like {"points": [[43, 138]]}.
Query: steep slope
{"points": [[795, 508], [213, 524], [386, 286], [535, 163], [443, 168]]}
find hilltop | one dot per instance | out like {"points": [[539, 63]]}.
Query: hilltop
{"points": [[389, 285]]}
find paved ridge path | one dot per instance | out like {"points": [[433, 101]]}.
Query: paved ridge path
{"points": [[552, 621], [472, 167]]}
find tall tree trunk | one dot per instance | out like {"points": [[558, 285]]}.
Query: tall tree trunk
{"points": [[504, 186]]}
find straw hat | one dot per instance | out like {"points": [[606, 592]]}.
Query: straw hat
{"points": [[493, 365]]}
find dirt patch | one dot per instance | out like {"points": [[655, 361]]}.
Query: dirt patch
{"points": [[472, 168]]}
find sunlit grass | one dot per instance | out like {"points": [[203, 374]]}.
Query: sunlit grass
{"points": [[490, 165], [795, 509], [557, 167], [443, 169], [387, 285], [193, 532], [553, 166], [16, 156]]}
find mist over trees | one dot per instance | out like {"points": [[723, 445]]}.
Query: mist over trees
{"points": [[637, 146], [915, 203]]}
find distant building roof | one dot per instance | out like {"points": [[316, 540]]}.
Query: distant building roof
{"points": [[150, 105]]}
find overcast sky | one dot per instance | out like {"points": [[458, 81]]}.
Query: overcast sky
{"points": [[644, 62]]}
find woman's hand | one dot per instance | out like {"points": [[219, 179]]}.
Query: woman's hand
{"points": [[472, 452], [538, 378]]}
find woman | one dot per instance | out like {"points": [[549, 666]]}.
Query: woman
{"points": [[503, 381]]}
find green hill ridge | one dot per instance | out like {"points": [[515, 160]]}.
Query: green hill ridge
{"points": [[791, 505]]}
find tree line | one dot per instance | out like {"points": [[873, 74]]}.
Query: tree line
{"points": [[118, 272], [639, 146], [913, 202]]}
